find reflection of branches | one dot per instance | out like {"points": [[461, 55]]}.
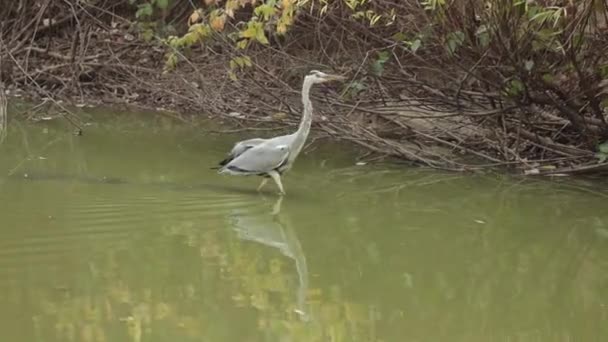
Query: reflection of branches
{"points": [[29, 156]]}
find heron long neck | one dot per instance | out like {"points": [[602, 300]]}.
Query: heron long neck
{"points": [[304, 128]]}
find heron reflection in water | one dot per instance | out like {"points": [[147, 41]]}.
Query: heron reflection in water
{"points": [[270, 158], [272, 231]]}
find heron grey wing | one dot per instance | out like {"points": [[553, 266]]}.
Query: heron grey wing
{"points": [[241, 147], [260, 159], [244, 145]]}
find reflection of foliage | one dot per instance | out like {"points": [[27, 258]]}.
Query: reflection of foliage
{"points": [[139, 293], [190, 281]]}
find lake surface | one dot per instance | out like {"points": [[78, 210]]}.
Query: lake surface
{"points": [[125, 234]]}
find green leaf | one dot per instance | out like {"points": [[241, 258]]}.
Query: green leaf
{"points": [[520, 2], [261, 37], [189, 39], [483, 36], [355, 88], [171, 62], [232, 75], [202, 30], [415, 45], [266, 10], [240, 62], [374, 19], [247, 61], [549, 78], [378, 65], [251, 30], [432, 4], [352, 4], [455, 40], [516, 87], [145, 10], [578, 39], [242, 44], [604, 70], [399, 36], [358, 15], [172, 41], [542, 16], [162, 4], [383, 56], [603, 147], [147, 35]]}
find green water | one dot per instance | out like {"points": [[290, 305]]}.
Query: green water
{"points": [[125, 234]]}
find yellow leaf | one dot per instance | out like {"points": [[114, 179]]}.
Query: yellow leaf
{"points": [[261, 36], [190, 38], [242, 44], [218, 22], [250, 32], [281, 27], [247, 61], [375, 20], [324, 9], [195, 18], [203, 31], [230, 6]]}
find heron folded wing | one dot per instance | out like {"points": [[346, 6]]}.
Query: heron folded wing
{"points": [[236, 151], [260, 159], [244, 145], [239, 148]]}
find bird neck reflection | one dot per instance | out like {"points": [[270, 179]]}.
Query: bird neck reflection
{"points": [[275, 230]]}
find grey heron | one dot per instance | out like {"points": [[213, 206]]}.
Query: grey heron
{"points": [[270, 158]]}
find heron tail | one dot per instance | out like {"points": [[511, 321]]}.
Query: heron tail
{"points": [[225, 161]]}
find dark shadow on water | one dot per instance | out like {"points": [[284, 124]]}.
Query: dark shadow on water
{"points": [[241, 189], [218, 187]]}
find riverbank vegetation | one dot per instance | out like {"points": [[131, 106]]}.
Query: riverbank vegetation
{"points": [[457, 85]]}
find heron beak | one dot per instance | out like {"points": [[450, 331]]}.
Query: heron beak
{"points": [[329, 78]]}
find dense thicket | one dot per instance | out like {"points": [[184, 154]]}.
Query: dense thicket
{"points": [[508, 82]]}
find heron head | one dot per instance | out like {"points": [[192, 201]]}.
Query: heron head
{"points": [[321, 77]]}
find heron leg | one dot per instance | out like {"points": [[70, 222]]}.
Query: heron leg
{"points": [[264, 181], [277, 179]]}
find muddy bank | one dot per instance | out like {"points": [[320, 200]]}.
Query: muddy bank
{"points": [[437, 117]]}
